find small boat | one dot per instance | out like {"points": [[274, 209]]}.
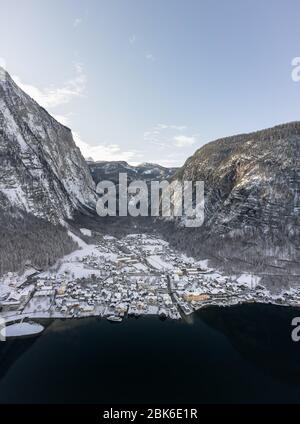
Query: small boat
{"points": [[162, 313], [114, 318]]}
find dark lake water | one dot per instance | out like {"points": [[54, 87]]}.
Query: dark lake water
{"points": [[238, 354]]}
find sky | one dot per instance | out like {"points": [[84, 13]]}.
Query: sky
{"points": [[154, 80]]}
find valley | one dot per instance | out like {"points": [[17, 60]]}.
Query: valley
{"points": [[134, 275], [60, 260]]}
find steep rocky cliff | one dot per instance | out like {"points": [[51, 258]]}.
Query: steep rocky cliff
{"points": [[252, 182], [42, 171]]}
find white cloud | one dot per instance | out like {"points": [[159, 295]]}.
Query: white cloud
{"points": [[77, 22], [55, 96], [109, 152], [132, 39], [3, 74], [164, 135], [172, 127], [184, 141], [3, 63], [63, 119], [171, 143], [170, 163], [150, 57]]}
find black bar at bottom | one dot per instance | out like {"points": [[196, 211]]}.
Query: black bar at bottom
{"points": [[143, 413]]}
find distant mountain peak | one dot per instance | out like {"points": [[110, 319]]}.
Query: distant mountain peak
{"points": [[110, 170]]}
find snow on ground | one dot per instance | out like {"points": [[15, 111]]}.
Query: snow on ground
{"points": [[71, 270], [249, 280], [16, 196], [86, 232], [21, 280], [140, 267], [189, 259], [14, 279], [152, 248], [152, 310], [71, 266], [146, 239], [158, 263], [203, 264], [77, 240], [108, 256], [38, 304], [21, 329], [4, 291], [109, 238]]}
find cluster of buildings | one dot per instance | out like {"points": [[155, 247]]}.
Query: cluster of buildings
{"points": [[136, 275]]}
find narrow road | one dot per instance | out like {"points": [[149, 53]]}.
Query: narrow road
{"points": [[173, 297]]}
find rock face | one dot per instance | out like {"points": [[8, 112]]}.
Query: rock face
{"points": [[41, 170], [146, 171], [252, 182]]}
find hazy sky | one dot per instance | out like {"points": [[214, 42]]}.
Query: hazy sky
{"points": [[153, 80]]}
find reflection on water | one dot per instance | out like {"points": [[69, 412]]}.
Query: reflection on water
{"points": [[239, 354]]}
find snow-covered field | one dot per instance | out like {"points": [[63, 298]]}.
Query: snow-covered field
{"points": [[86, 232], [157, 262], [21, 329]]}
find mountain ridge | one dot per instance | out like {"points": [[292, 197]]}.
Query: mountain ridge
{"points": [[43, 171], [252, 181], [103, 170]]}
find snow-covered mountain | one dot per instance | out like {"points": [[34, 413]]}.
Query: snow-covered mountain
{"points": [[252, 182], [103, 170], [42, 171]]}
